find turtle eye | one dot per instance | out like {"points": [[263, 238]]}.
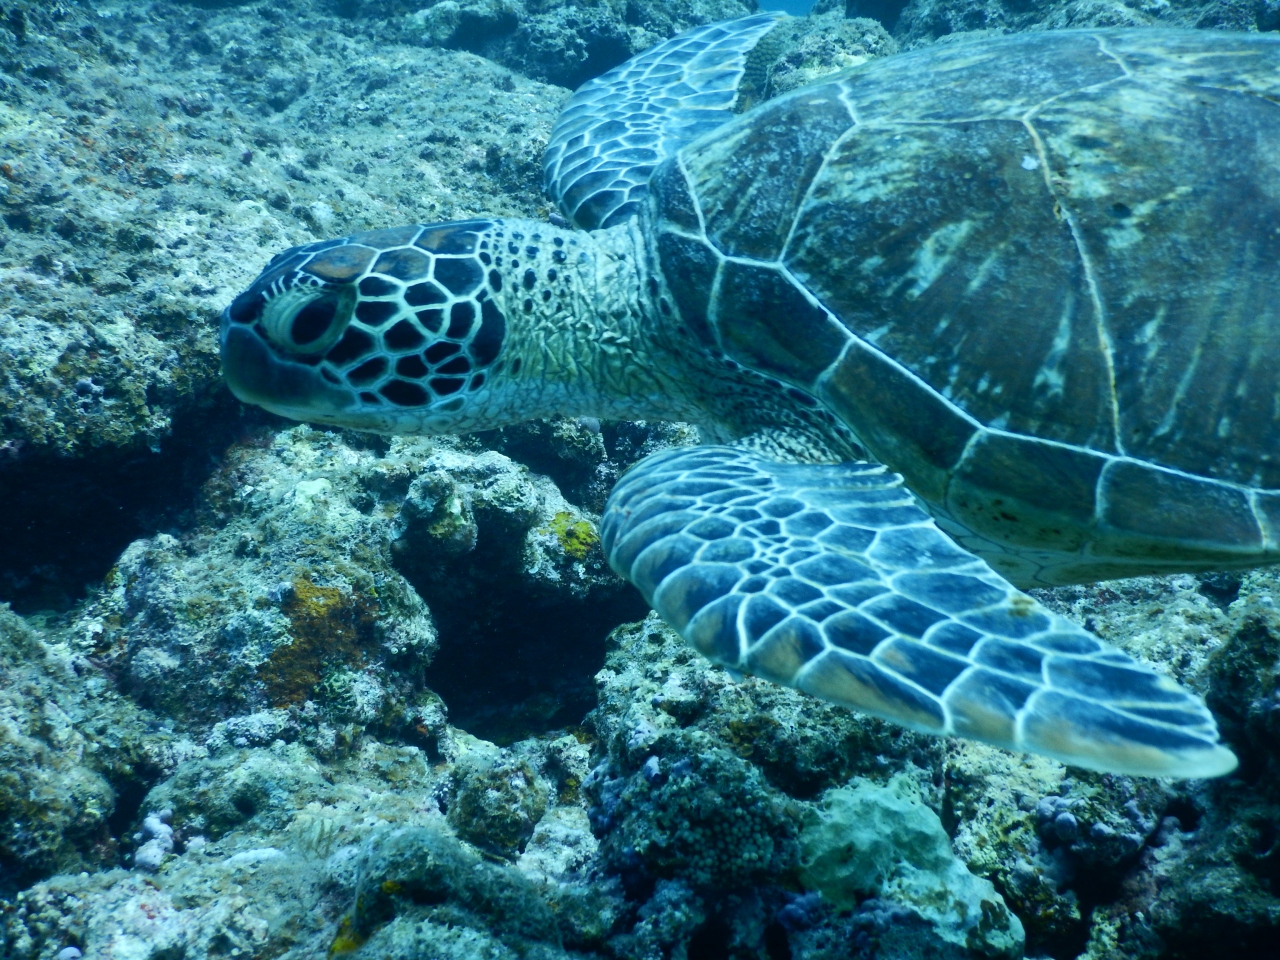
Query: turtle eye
{"points": [[307, 320], [313, 321]]}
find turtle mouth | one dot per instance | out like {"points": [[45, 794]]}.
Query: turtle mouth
{"points": [[257, 374]]}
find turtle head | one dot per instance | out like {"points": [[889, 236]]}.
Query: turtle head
{"points": [[392, 331]]}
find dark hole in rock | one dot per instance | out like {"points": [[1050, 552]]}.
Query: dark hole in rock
{"points": [[1068, 945], [886, 11], [66, 520], [245, 804], [1222, 588], [512, 662], [1261, 856], [776, 944], [1187, 813], [129, 797], [710, 941], [423, 896], [1221, 932]]}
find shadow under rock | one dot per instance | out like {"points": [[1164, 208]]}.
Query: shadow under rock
{"points": [[64, 521], [510, 667], [512, 664]]}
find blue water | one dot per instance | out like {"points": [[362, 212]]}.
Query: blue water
{"points": [[797, 8]]}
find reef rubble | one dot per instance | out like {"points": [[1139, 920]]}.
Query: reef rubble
{"points": [[271, 691]]}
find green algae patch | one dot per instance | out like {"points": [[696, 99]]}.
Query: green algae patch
{"points": [[328, 629], [576, 537], [747, 735], [869, 840], [347, 939]]}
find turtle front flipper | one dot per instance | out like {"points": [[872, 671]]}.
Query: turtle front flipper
{"points": [[832, 580], [618, 127]]}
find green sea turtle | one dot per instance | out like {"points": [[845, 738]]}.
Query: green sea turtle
{"points": [[975, 316]]}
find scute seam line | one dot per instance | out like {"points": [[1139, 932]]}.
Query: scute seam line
{"points": [[1090, 277], [817, 175]]}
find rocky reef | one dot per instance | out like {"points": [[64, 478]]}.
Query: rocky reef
{"points": [[270, 691]]}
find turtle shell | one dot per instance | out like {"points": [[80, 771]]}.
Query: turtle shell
{"points": [[1038, 275]]}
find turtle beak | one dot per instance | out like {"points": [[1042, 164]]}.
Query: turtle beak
{"points": [[256, 374]]}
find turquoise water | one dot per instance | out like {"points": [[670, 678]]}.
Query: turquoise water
{"points": [[797, 8], [297, 690]]}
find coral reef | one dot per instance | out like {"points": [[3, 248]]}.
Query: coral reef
{"points": [[288, 596], [333, 695], [564, 43], [882, 842], [300, 595], [73, 752]]}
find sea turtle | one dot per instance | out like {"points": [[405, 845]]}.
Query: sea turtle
{"points": [[979, 315]]}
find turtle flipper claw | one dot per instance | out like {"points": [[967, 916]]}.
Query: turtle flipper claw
{"points": [[832, 579]]}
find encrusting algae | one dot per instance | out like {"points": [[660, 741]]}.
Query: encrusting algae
{"points": [[329, 628], [259, 673]]}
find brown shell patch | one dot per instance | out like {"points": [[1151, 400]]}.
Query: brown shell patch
{"points": [[1021, 490], [956, 265], [690, 268], [462, 237], [1181, 227], [903, 424], [340, 264], [752, 178], [672, 197], [404, 264], [390, 237]]}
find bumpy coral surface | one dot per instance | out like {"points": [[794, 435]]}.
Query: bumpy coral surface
{"points": [[70, 745], [332, 695]]}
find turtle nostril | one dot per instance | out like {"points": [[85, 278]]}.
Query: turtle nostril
{"points": [[313, 321]]}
